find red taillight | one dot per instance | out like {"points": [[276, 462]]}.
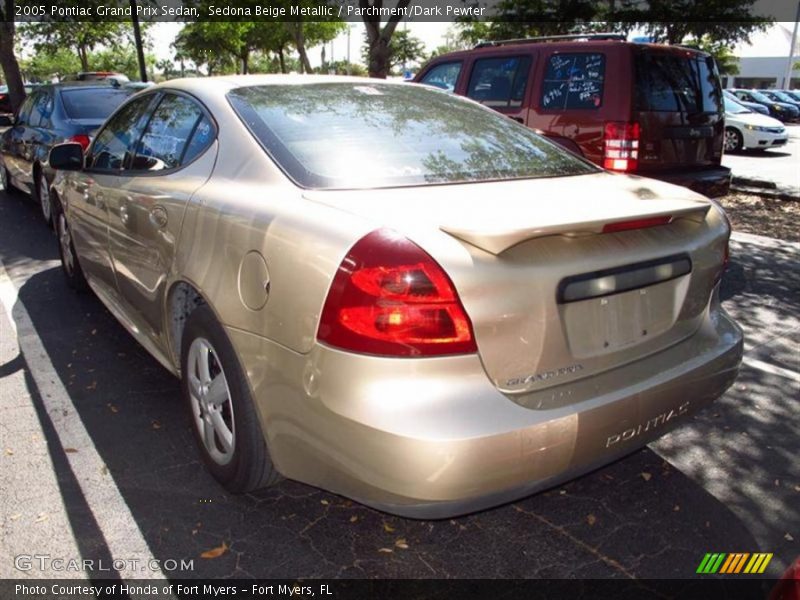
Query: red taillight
{"points": [[636, 224], [391, 298], [621, 146], [82, 139]]}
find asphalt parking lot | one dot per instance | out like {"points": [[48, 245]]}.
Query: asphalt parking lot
{"points": [[97, 461]]}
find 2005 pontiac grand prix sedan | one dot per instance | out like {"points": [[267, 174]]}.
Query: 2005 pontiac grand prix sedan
{"points": [[393, 293]]}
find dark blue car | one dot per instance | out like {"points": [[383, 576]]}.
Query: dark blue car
{"points": [[51, 114]]}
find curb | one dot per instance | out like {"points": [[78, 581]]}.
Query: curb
{"points": [[767, 189]]}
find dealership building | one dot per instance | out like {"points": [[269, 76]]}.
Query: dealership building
{"points": [[762, 63]]}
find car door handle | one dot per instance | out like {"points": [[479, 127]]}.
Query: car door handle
{"points": [[158, 217]]}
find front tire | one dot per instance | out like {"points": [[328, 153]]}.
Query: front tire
{"points": [[41, 192], [733, 140], [221, 409], [66, 249]]}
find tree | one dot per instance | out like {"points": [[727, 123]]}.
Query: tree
{"points": [[378, 38], [404, 49], [43, 66], [203, 46], [80, 37], [8, 59]]}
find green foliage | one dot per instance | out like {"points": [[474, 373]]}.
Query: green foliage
{"points": [[43, 66], [725, 22], [76, 36], [727, 64], [404, 48]]}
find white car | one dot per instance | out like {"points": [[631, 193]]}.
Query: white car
{"points": [[747, 129]]}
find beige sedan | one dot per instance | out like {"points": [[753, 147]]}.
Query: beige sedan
{"points": [[393, 293]]}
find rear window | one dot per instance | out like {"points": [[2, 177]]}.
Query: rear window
{"points": [[92, 103], [672, 82], [574, 81], [360, 135]]}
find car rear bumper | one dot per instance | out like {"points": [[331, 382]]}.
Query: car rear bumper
{"points": [[432, 438], [713, 182]]}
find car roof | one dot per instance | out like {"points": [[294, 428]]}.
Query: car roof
{"points": [[222, 84], [562, 45]]}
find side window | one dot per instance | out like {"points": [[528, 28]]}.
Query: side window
{"points": [[112, 146], [201, 139], [574, 81], [24, 115], [167, 137], [40, 110], [500, 82], [443, 76]]}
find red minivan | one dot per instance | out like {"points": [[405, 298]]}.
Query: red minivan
{"points": [[645, 109]]}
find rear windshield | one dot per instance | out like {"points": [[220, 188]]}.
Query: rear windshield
{"points": [[677, 82], [362, 135], [92, 103]]}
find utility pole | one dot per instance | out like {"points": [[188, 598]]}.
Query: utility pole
{"points": [[787, 80], [137, 37]]}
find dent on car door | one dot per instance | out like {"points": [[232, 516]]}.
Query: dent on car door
{"points": [[89, 192], [169, 163]]}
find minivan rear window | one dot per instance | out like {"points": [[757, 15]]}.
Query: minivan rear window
{"points": [[574, 81], [672, 82]]}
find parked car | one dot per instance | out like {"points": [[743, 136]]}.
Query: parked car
{"points": [[98, 76], [779, 110], [391, 292], [5, 98], [50, 115], [779, 96], [753, 106], [659, 115], [745, 129], [793, 93]]}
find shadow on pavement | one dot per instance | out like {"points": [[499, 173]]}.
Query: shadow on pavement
{"points": [[638, 517]]}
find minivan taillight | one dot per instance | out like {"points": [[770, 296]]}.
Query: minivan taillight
{"points": [[621, 146], [390, 298], [82, 139]]}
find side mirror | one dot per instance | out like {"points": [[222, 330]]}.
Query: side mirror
{"points": [[66, 157], [6, 120]]}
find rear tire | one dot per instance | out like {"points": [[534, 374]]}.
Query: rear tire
{"points": [[221, 410], [733, 140], [66, 249]]}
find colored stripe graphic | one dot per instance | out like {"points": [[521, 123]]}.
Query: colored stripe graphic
{"points": [[729, 564]]}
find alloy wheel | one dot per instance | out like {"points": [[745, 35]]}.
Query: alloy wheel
{"points": [[211, 403]]}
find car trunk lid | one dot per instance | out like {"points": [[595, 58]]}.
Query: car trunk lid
{"points": [[551, 297]]}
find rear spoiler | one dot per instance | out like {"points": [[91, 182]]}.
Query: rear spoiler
{"points": [[637, 216]]}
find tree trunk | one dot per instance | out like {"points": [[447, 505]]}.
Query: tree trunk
{"points": [[83, 54], [245, 62], [137, 38], [300, 44], [378, 39], [8, 60], [282, 59]]}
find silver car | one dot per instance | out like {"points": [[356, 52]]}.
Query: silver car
{"points": [[393, 293]]}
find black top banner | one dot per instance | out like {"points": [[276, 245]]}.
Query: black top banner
{"points": [[385, 10]]}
